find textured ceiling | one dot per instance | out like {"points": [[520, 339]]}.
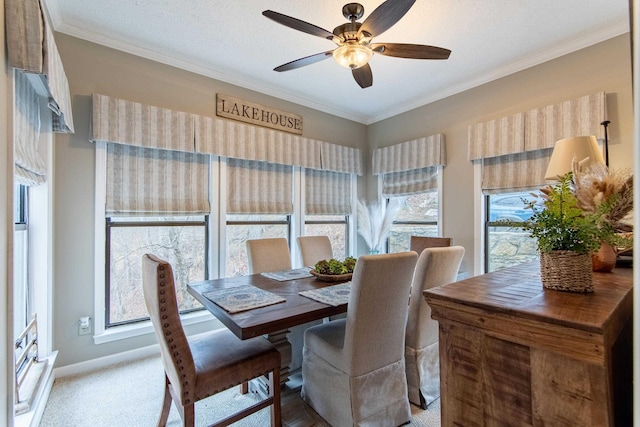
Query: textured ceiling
{"points": [[231, 41]]}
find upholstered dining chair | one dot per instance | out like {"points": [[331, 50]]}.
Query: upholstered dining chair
{"points": [[435, 267], [205, 364], [314, 249], [266, 255], [420, 243], [353, 369]]}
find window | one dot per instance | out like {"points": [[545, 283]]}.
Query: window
{"points": [[334, 226], [22, 292], [241, 228], [418, 216], [182, 241], [507, 245]]}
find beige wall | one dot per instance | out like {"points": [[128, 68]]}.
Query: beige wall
{"points": [[92, 68], [603, 67]]}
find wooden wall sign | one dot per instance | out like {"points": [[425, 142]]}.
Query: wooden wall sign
{"points": [[248, 112]]}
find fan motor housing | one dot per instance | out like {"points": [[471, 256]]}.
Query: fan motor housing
{"points": [[348, 32]]}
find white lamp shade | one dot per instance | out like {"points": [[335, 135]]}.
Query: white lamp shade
{"points": [[582, 148]]}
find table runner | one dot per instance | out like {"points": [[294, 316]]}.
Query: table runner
{"points": [[284, 275], [333, 295], [242, 298]]}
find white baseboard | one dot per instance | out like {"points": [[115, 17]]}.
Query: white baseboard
{"points": [[103, 362]]}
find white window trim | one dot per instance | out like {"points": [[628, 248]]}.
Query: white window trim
{"points": [[40, 263], [479, 215], [215, 229], [221, 243], [440, 184], [299, 213], [100, 239], [353, 223]]}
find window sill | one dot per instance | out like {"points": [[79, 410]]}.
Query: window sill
{"points": [[130, 331], [32, 418]]}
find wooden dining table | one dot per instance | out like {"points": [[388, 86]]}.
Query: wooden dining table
{"points": [[272, 321]]}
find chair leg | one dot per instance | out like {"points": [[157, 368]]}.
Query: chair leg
{"points": [[166, 404], [244, 387], [189, 418], [274, 391]]}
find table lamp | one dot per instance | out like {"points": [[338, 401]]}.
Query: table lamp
{"points": [[582, 148]]}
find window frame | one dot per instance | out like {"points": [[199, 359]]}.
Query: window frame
{"points": [[110, 224], [496, 224], [439, 186]]}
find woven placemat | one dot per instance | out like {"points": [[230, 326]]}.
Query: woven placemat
{"points": [[242, 298], [333, 295]]}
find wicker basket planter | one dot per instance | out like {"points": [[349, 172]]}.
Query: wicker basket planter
{"points": [[566, 271]]}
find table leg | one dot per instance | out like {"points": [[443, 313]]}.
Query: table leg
{"points": [[280, 342]]}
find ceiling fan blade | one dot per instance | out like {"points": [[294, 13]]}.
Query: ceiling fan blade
{"points": [[414, 51], [385, 16], [363, 76], [299, 25], [307, 60]]}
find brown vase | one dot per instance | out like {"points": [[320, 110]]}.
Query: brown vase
{"points": [[605, 259]]}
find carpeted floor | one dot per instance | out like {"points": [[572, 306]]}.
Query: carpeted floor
{"points": [[130, 394]]}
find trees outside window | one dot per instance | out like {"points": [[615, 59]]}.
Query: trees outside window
{"points": [[182, 241], [336, 227], [241, 228]]}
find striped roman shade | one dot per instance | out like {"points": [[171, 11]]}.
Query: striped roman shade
{"points": [[125, 122], [29, 168], [338, 158], [411, 155], [497, 137], [258, 187], [410, 182], [260, 160], [581, 116], [31, 48], [150, 182], [514, 151], [515, 172], [410, 167], [60, 98], [226, 138], [327, 193]]}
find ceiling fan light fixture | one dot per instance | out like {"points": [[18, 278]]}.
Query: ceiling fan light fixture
{"points": [[352, 55]]}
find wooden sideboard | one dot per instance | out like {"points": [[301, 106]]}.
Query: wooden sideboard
{"points": [[514, 353]]}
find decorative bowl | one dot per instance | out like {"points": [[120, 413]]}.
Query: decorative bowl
{"points": [[332, 277]]}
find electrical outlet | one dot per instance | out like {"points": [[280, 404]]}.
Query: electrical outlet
{"points": [[84, 326]]}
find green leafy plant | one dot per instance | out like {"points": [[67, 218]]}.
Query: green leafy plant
{"points": [[334, 266], [561, 223]]}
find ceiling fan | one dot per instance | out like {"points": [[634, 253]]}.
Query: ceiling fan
{"points": [[353, 38]]}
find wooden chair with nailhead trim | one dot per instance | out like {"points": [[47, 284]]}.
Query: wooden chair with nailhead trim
{"points": [[206, 364]]}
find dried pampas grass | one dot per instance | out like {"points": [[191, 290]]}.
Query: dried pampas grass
{"points": [[374, 222], [599, 184]]}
